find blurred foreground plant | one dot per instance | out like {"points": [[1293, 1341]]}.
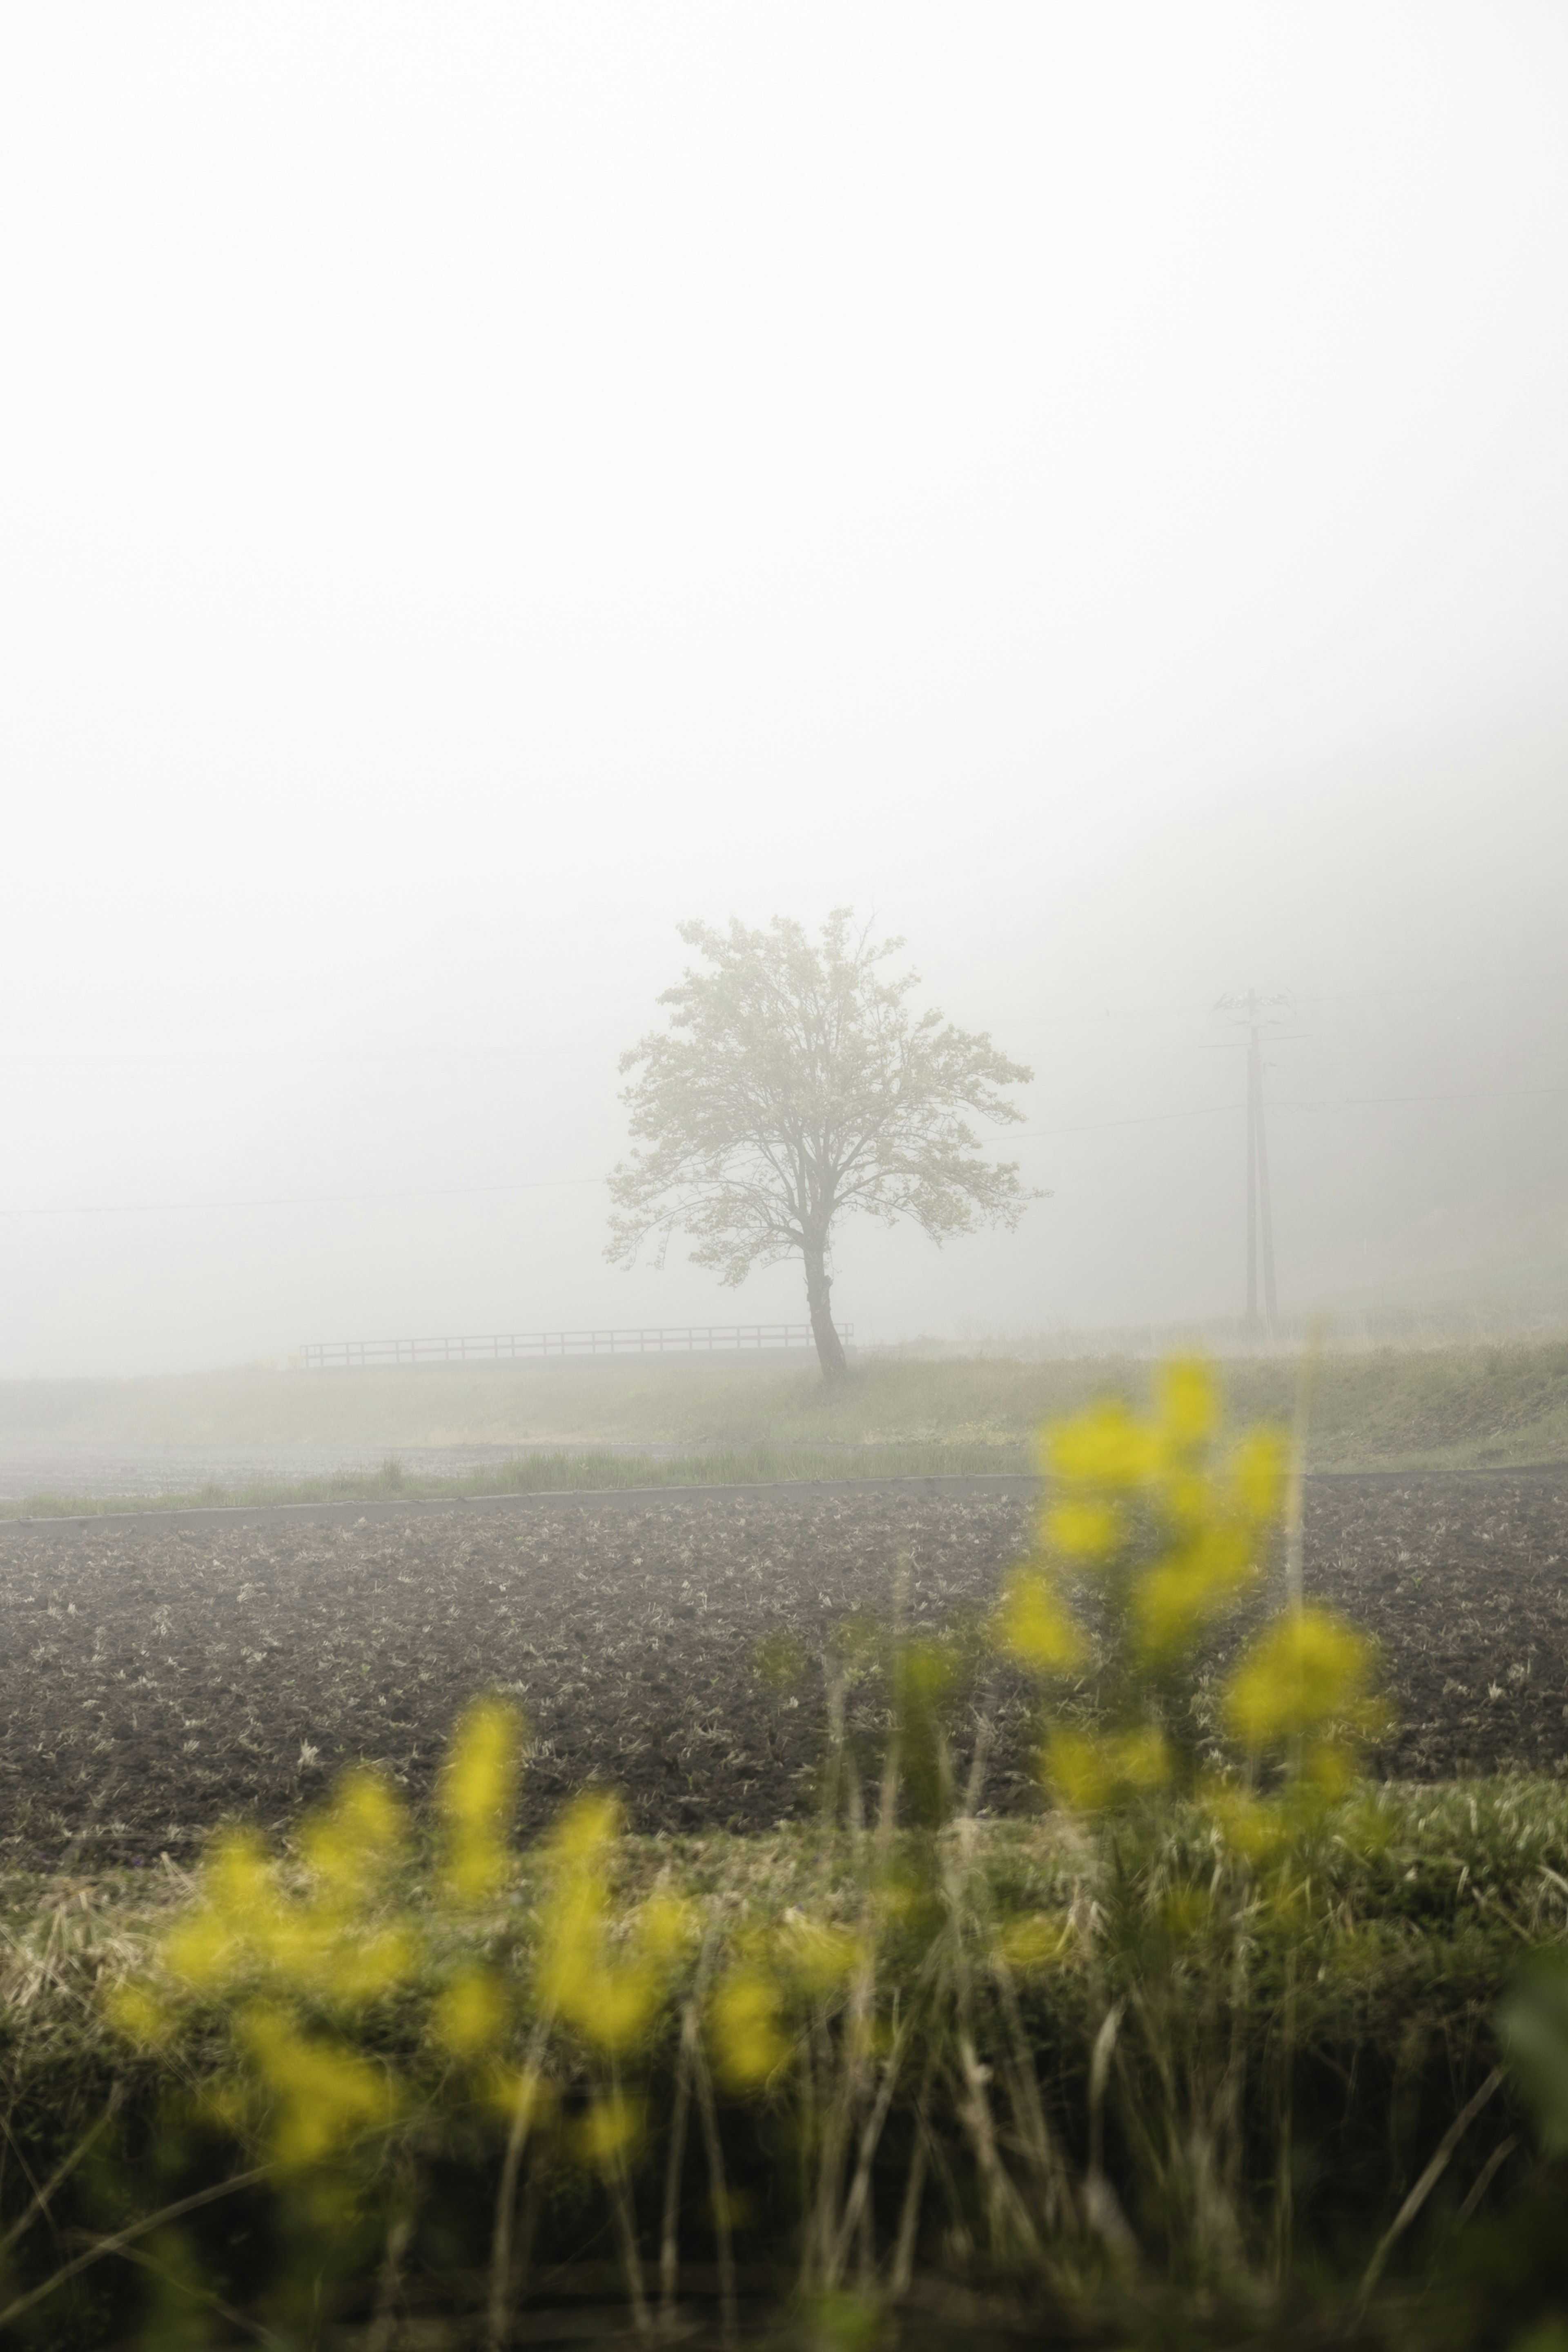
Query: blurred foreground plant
{"points": [[1153, 1532], [1092, 2085]]}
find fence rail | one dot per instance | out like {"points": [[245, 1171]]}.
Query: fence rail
{"points": [[535, 1347]]}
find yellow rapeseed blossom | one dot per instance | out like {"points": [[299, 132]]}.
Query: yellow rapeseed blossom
{"points": [[323, 2096], [1178, 1596], [1259, 1468], [617, 2004], [471, 2013], [1104, 1448], [366, 1964], [1172, 1525], [1269, 1831], [1188, 1401], [573, 1926], [248, 1929], [1256, 1828], [476, 1795], [136, 2011], [351, 1847], [1329, 1768], [1187, 1499], [512, 2092], [667, 1926], [1088, 1771], [1082, 1530], [1034, 1627], [1305, 1672], [746, 2020], [587, 1827], [610, 2131], [607, 1986], [236, 1920]]}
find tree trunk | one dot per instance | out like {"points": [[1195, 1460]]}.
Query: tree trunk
{"points": [[818, 1290]]}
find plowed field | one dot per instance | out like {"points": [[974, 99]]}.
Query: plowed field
{"points": [[153, 1683]]}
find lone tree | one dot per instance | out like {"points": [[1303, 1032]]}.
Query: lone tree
{"points": [[793, 1088]]}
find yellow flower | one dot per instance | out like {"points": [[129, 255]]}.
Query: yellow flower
{"points": [[1329, 1768], [1090, 1770], [324, 2097], [1035, 1628], [204, 1950], [608, 1992], [476, 1795], [1187, 1498], [1104, 1449], [610, 2130], [1188, 1398], [1177, 1597], [1259, 1829], [1082, 1530], [745, 2017], [471, 2013], [1304, 1673], [375, 1964], [1269, 1830], [350, 1847], [1258, 1472], [236, 1918], [666, 1927], [588, 1826], [138, 2013], [614, 2003]]}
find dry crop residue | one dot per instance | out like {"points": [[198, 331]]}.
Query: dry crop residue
{"points": [[154, 1684]]}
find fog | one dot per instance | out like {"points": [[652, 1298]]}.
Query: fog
{"points": [[1085, 485]]}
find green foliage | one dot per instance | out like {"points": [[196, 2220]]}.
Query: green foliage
{"points": [[564, 1473]]}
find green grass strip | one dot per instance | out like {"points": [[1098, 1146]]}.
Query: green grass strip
{"points": [[539, 1473]]}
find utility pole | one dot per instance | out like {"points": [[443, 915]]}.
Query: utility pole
{"points": [[1253, 1010]]}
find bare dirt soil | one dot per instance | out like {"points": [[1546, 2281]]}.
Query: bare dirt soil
{"points": [[152, 1684]]}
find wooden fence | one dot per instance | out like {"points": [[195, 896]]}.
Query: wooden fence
{"points": [[540, 1347]]}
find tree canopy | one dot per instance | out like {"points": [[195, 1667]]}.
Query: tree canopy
{"points": [[793, 1088]]}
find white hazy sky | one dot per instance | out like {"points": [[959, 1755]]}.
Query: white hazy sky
{"points": [[1085, 483]]}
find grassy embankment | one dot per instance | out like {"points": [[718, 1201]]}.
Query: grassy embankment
{"points": [[1456, 1408]]}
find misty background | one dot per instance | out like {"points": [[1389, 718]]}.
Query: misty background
{"points": [[1086, 486]]}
